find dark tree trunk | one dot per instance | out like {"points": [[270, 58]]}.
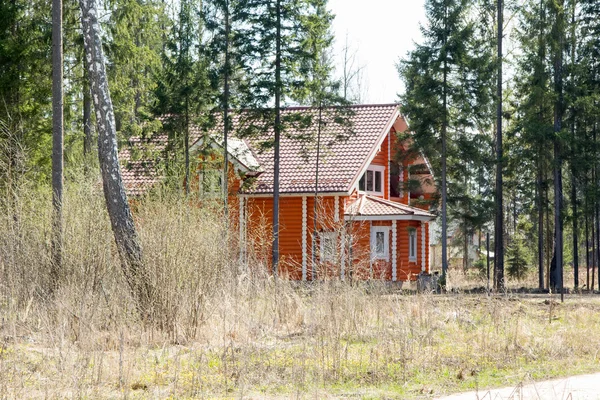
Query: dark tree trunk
{"points": [[277, 129], [315, 208], [573, 168], [126, 237], [557, 275], [594, 259], [444, 155], [540, 228], [499, 231], [87, 117], [226, 74], [57, 143], [587, 245], [186, 145]]}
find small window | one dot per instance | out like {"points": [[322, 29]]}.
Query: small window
{"points": [[380, 242], [372, 180], [328, 246], [396, 179], [211, 183], [412, 244]]}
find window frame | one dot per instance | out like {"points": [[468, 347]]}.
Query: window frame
{"points": [[218, 192], [386, 243], [412, 244], [324, 256], [373, 169]]}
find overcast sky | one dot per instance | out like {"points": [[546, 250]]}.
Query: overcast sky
{"points": [[381, 31]]}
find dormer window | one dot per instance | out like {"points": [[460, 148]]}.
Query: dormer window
{"points": [[372, 180], [211, 183]]}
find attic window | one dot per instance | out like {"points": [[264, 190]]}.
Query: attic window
{"points": [[372, 180], [211, 183]]}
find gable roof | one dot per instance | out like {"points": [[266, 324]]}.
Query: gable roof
{"points": [[366, 207], [340, 162]]}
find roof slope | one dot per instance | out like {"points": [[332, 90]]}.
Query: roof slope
{"points": [[339, 160], [345, 149], [371, 206]]}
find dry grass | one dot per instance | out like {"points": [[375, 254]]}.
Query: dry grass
{"points": [[230, 334]]}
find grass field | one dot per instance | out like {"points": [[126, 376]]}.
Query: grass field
{"points": [[328, 340], [223, 334]]}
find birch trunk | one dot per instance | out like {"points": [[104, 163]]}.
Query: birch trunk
{"points": [[130, 251]]}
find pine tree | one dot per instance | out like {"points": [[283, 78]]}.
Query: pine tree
{"points": [[444, 76], [270, 41], [183, 90], [134, 48]]}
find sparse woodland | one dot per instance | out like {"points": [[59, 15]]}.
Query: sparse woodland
{"points": [[105, 296]]}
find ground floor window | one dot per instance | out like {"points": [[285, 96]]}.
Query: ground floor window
{"points": [[328, 246], [380, 242]]}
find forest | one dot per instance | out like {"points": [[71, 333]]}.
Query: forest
{"points": [[104, 295], [511, 134]]}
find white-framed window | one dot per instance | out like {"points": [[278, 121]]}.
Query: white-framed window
{"points": [[372, 180], [380, 242], [412, 244], [328, 246], [211, 183]]}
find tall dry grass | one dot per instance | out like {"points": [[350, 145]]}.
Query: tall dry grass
{"points": [[229, 332]]}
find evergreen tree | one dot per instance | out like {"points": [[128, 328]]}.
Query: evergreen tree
{"points": [[133, 50], [25, 82], [183, 91], [270, 41], [447, 89]]}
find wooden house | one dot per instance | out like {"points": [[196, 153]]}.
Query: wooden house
{"points": [[348, 213]]}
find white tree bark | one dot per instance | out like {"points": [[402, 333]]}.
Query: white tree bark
{"points": [[126, 238]]}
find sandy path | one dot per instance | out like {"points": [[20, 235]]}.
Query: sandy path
{"points": [[582, 387]]}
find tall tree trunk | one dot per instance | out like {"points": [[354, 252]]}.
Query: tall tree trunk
{"points": [[556, 277], [186, 144], [499, 239], [540, 227], [277, 129], [226, 117], [87, 117], [126, 238], [315, 209], [594, 255], [444, 150], [573, 155], [587, 244], [57, 143]]}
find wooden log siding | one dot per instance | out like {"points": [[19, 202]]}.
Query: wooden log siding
{"points": [[291, 244]]}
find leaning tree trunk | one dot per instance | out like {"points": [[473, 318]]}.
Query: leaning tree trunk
{"points": [[126, 238]]}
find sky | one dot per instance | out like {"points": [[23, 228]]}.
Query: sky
{"points": [[380, 32]]}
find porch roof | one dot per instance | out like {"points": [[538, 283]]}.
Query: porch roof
{"points": [[375, 208]]}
